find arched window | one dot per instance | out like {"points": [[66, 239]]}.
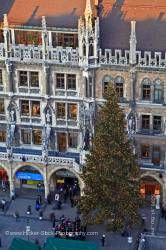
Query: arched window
{"points": [[84, 50], [158, 91], [106, 81], [91, 53], [146, 89], [119, 82]]}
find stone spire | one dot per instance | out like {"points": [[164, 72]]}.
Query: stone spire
{"points": [[133, 43], [5, 21], [88, 13]]}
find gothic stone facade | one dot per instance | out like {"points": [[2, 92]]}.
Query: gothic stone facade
{"points": [[53, 77]]}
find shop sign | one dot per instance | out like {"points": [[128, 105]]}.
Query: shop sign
{"points": [[60, 181], [29, 176]]}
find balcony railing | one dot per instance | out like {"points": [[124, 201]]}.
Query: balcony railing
{"points": [[151, 132], [151, 166]]}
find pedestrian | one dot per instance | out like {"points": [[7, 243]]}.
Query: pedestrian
{"points": [[0, 242], [162, 212], [37, 206], [72, 201], [103, 240], [13, 195], [54, 223], [37, 243]]}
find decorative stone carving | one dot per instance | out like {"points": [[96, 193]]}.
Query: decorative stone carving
{"points": [[48, 116], [131, 123]]}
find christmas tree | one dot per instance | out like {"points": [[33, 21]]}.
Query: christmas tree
{"points": [[111, 174]]}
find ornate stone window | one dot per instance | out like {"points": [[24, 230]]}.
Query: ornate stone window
{"points": [[2, 106], [145, 121], [72, 140], [28, 37], [60, 110], [62, 141], [25, 108], [29, 79], [145, 151], [157, 123], [71, 81], [146, 89], [37, 137], [119, 85], [158, 91], [156, 155], [72, 111], [26, 136]]}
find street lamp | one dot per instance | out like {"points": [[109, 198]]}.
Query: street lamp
{"points": [[28, 228], [130, 240]]}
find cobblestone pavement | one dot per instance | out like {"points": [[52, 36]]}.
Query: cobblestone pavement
{"points": [[8, 225]]}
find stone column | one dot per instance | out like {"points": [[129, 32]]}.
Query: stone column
{"points": [[12, 186], [46, 184]]}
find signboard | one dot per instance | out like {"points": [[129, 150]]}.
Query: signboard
{"points": [[29, 176], [60, 181]]}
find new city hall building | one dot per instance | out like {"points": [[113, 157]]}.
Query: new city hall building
{"points": [[56, 60]]}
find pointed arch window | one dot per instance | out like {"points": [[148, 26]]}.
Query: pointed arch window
{"points": [[91, 51], [158, 91], [146, 89], [106, 81], [119, 86]]}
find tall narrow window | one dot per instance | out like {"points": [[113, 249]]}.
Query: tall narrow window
{"points": [[34, 79], [73, 140], [37, 137], [119, 82], [26, 136], [62, 142], [23, 78], [145, 122], [106, 81], [60, 81], [2, 106], [156, 155], [158, 91], [146, 89], [145, 151], [35, 105], [72, 111], [157, 123], [1, 80], [60, 110], [2, 135], [71, 81], [25, 108]]}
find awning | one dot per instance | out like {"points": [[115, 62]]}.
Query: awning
{"points": [[19, 244], [63, 244]]}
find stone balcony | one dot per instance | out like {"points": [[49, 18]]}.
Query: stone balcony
{"points": [[66, 159], [31, 53]]}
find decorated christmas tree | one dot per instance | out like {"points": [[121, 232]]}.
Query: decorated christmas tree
{"points": [[111, 174]]}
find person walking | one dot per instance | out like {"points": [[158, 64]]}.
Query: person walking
{"points": [[103, 240]]}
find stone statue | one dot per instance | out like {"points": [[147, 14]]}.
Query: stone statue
{"points": [[12, 115], [48, 116], [131, 124]]}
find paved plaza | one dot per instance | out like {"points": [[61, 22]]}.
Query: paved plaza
{"points": [[9, 228]]}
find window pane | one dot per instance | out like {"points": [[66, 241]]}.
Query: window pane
{"points": [[156, 155], [71, 82], [73, 140], [145, 151], [2, 136], [26, 136], [60, 81], [105, 87], [72, 111], [35, 108], [146, 92], [145, 121], [119, 89], [157, 122], [1, 81], [158, 96], [62, 141], [37, 137], [23, 79], [25, 107], [2, 106], [61, 110], [34, 79]]}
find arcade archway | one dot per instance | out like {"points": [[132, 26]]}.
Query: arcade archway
{"points": [[4, 181], [28, 181], [151, 186]]}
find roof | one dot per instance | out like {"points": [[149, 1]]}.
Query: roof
{"points": [[19, 244], [61, 13], [62, 244], [115, 17]]}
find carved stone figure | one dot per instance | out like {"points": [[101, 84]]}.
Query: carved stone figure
{"points": [[131, 123], [48, 116], [12, 115]]}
